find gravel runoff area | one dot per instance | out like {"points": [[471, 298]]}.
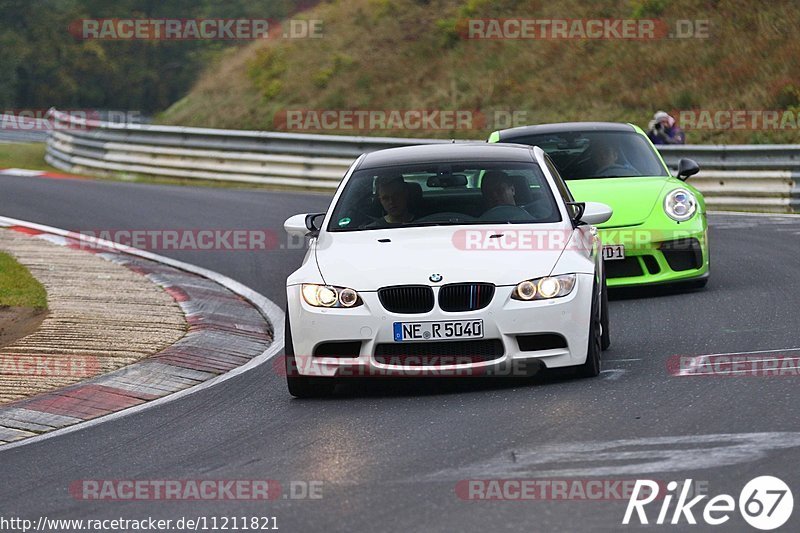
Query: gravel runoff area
{"points": [[102, 316], [220, 328]]}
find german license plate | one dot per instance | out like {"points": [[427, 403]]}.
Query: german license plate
{"points": [[613, 252], [437, 331]]}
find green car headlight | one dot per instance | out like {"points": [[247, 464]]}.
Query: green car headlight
{"points": [[680, 205], [544, 288], [329, 296]]}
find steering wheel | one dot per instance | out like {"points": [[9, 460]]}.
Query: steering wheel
{"points": [[576, 162], [615, 170], [539, 208], [506, 213]]}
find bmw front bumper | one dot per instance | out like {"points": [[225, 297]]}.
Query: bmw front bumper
{"points": [[335, 342]]}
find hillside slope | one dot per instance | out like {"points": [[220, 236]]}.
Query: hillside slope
{"points": [[412, 54]]}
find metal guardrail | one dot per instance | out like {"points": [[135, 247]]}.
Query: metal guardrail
{"points": [[745, 177], [294, 160], [733, 177]]}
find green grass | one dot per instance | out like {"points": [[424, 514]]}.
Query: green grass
{"points": [[408, 54], [217, 184], [28, 156], [149, 179], [17, 287]]}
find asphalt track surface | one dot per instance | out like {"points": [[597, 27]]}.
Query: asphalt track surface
{"points": [[390, 454]]}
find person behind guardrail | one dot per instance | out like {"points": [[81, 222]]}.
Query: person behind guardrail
{"points": [[663, 130]]}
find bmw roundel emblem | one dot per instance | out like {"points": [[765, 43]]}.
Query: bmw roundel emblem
{"points": [[436, 278]]}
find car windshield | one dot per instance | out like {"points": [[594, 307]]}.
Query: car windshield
{"points": [[586, 155], [443, 194]]}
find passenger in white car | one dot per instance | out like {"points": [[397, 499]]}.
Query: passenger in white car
{"points": [[499, 193]]}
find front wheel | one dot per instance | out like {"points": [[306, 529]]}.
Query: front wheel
{"points": [[306, 387], [605, 340], [302, 386], [591, 367]]}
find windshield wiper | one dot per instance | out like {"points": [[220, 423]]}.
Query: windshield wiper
{"points": [[601, 177], [425, 224]]}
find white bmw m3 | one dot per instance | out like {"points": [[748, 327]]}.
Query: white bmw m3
{"points": [[446, 260]]}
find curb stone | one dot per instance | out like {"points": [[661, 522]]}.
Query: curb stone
{"points": [[231, 329]]}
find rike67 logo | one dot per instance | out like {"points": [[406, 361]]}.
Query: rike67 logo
{"points": [[765, 503]]}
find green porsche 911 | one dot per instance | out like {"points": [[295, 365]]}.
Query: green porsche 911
{"points": [[658, 232]]}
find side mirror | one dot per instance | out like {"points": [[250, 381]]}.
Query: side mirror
{"points": [[312, 221], [302, 225], [686, 168], [575, 210], [596, 213]]}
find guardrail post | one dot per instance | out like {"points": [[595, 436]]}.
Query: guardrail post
{"points": [[794, 203]]}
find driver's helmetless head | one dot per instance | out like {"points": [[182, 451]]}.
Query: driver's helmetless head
{"points": [[393, 195], [604, 154], [497, 188]]}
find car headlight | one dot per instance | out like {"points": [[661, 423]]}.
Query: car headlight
{"points": [[544, 288], [680, 205], [329, 296]]}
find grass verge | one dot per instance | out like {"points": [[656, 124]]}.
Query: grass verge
{"points": [[18, 288], [29, 156], [148, 179], [417, 55]]}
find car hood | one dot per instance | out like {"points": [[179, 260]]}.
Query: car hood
{"points": [[412, 255], [632, 199]]}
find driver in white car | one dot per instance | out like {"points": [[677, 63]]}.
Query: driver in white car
{"points": [[393, 194]]}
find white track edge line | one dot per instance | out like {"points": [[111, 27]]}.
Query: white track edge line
{"points": [[268, 309]]}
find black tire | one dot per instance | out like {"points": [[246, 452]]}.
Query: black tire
{"points": [[302, 386], [591, 368], [605, 340]]}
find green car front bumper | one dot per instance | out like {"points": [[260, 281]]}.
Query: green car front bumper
{"points": [[658, 253]]}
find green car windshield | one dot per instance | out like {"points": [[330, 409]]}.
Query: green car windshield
{"points": [[597, 154]]}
